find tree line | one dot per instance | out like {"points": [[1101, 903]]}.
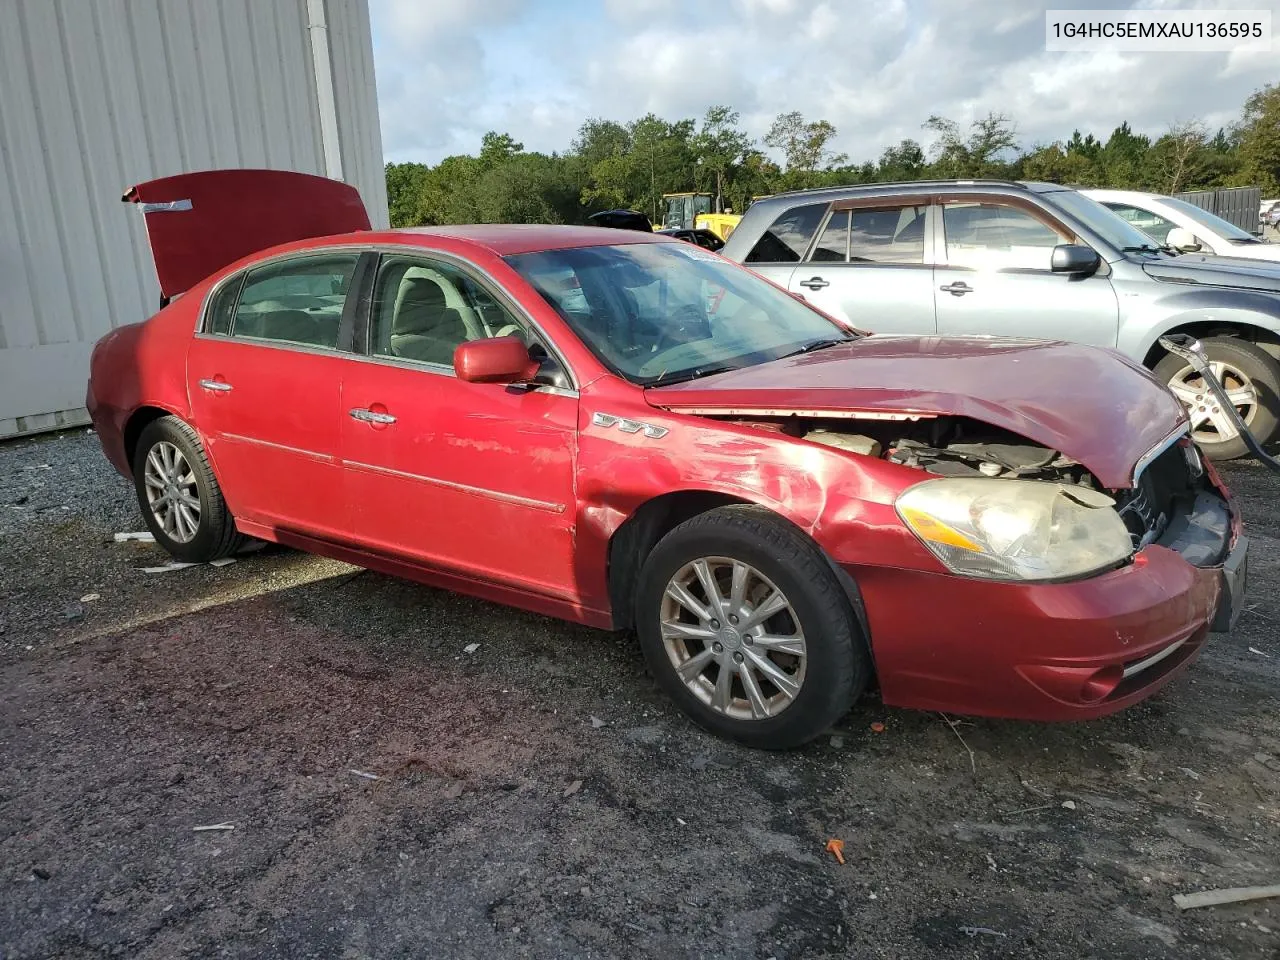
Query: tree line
{"points": [[611, 164]]}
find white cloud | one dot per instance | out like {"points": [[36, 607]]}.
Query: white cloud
{"points": [[448, 70]]}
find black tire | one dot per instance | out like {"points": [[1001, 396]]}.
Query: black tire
{"points": [[215, 535], [1256, 364], [838, 664]]}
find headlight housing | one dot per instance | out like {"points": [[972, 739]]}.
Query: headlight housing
{"points": [[1015, 529]]}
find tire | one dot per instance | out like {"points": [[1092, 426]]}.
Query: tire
{"points": [[214, 534], [1240, 357], [836, 663]]}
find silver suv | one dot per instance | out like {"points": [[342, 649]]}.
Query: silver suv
{"points": [[1027, 260]]}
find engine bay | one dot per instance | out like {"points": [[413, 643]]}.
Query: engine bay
{"points": [[943, 446]]}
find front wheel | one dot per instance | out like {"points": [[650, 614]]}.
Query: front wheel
{"points": [[743, 623], [179, 495], [1251, 377]]}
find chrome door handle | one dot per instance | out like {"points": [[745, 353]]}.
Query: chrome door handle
{"points": [[370, 416], [815, 283], [217, 386], [957, 289]]}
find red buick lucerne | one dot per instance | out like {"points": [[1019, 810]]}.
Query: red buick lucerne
{"points": [[630, 432]]}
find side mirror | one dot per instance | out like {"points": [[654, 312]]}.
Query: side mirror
{"points": [[1182, 240], [1074, 258], [494, 360]]}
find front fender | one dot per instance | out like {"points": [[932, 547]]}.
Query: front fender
{"points": [[1141, 330]]}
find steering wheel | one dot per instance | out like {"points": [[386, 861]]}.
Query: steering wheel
{"points": [[669, 334]]}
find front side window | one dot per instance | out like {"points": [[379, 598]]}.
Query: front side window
{"points": [[661, 312], [423, 310], [788, 238], [296, 301], [1152, 224], [997, 236]]}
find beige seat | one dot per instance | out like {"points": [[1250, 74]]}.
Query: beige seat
{"points": [[424, 327]]}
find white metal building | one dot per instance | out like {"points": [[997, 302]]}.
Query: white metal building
{"points": [[96, 95]]}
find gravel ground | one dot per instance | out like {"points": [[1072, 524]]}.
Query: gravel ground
{"points": [[538, 798]]}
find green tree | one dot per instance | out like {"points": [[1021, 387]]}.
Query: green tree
{"points": [[719, 147], [1259, 141], [804, 146], [978, 154]]}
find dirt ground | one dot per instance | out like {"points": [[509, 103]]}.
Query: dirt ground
{"points": [[539, 798]]}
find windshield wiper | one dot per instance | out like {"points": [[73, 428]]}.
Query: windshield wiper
{"points": [[664, 379], [817, 345], [1144, 248]]}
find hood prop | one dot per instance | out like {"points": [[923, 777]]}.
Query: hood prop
{"points": [[1188, 348]]}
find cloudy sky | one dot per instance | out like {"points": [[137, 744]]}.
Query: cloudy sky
{"points": [[449, 70]]}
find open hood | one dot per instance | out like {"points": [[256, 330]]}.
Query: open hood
{"points": [[197, 223], [1092, 405], [1217, 271]]}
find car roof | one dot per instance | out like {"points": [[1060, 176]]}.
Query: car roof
{"points": [[505, 239], [1122, 194]]}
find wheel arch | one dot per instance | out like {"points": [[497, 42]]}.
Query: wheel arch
{"points": [[1260, 329], [137, 421], [635, 538]]}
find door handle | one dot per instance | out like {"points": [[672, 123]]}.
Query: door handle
{"points": [[815, 283], [215, 386], [957, 289], [371, 416]]}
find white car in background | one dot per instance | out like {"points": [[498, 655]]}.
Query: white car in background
{"points": [[1184, 226]]}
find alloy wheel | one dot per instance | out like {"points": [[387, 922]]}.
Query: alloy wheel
{"points": [[172, 494], [1210, 422], [733, 638]]}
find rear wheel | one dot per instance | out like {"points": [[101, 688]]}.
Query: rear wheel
{"points": [[744, 624], [179, 495], [1251, 377]]}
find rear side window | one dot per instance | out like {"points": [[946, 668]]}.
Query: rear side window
{"points": [[833, 244], [786, 240], [296, 301], [223, 308], [887, 235]]}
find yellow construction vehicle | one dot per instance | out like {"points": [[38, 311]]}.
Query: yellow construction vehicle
{"points": [[692, 211]]}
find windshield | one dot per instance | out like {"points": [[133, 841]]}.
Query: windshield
{"points": [[663, 312], [1223, 228], [1116, 231]]}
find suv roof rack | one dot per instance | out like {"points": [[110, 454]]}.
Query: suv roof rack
{"points": [[957, 182]]}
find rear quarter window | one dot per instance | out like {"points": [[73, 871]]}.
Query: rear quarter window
{"points": [[788, 238], [222, 309]]}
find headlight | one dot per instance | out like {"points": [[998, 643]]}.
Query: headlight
{"points": [[1015, 529]]}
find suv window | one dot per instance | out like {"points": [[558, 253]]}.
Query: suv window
{"points": [[997, 236], [786, 240], [833, 244], [1152, 224], [887, 235], [296, 301], [424, 309]]}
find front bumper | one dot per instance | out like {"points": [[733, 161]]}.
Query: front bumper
{"points": [[1064, 651]]}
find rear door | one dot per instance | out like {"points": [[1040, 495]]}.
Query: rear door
{"points": [[872, 265], [197, 223], [783, 245], [993, 275], [264, 376]]}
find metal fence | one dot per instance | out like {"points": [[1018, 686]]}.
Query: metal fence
{"points": [[1238, 205]]}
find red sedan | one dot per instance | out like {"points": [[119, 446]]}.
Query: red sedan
{"points": [[632, 433]]}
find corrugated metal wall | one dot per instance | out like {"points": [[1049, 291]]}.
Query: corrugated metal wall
{"points": [[96, 95], [1238, 205]]}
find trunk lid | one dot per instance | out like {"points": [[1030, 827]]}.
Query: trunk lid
{"points": [[197, 223], [1092, 405]]}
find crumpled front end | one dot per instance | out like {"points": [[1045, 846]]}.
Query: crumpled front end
{"points": [[1077, 649]]}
